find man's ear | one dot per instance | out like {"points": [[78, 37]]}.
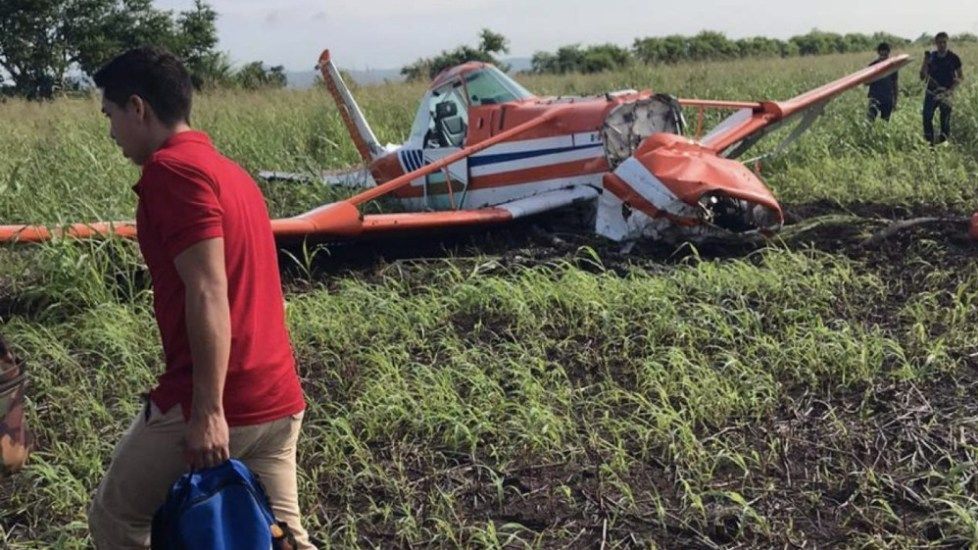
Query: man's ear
{"points": [[139, 106]]}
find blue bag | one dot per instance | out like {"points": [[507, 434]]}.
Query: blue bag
{"points": [[220, 508]]}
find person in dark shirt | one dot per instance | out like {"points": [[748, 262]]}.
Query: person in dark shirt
{"points": [[942, 73], [883, 92]]}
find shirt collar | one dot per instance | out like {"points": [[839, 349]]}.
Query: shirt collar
{"points": [[189, 136]]}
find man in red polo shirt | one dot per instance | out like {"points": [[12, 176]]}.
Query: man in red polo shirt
{"points": [[230, 387]]}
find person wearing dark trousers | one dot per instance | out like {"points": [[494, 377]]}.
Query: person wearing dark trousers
{"points": [[883, 92], [942, 73]]}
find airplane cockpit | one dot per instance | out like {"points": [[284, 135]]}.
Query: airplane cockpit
{"points": [[489, 85], [442, 117]]}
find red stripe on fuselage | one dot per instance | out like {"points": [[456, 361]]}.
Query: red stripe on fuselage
{"points": [[595, 165]]}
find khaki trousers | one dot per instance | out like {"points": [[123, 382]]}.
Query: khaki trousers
{"points": [[149, 458]]}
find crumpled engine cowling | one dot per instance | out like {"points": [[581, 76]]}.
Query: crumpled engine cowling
{"points": [[628, 124], [674, 187]]}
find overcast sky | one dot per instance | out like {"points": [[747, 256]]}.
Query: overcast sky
{"points": [[390, 33]]}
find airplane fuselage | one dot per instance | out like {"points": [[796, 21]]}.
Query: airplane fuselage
{"points": [[564, 151]]}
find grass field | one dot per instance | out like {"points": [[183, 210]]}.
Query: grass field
{"points": [[532, 391]]}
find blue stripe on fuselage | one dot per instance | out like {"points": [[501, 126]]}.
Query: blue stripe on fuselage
{"points": [[411, 159], [482, 160]]}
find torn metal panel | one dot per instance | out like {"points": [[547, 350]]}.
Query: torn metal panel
{"points": [[630, 123]]}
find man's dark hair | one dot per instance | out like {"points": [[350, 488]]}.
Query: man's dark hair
{"points": [[883, 47], [940, 35], [155, 75]]}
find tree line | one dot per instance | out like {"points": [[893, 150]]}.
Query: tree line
{"points": [[49, 46], [704, 46], [713, 46]]}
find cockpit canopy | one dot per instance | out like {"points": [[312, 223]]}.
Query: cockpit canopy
{"points": [[442, 117], [489, 85]]}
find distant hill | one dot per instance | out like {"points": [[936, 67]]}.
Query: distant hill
{"points": [[300, 79], [369, 77]]}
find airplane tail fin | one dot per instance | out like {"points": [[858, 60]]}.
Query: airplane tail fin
{"points": [[363, 137]]}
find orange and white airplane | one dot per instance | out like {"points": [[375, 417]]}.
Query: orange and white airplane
{"points": [[484, 150]]}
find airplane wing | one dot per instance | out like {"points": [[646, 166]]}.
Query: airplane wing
{"points": [[41, 233], [380, 224], [754, 120]]}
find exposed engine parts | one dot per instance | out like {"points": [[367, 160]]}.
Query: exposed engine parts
{"points": [[630, 123]]}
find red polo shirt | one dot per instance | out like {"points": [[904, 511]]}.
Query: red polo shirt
{"points": [[188, 193]]}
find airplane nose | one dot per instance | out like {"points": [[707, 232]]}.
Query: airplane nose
{"points": [[668, 177], [692, 172]]}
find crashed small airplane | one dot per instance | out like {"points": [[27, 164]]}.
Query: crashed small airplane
{"points": [[484, 150]]}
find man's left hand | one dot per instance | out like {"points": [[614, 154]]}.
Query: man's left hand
{"points": [[207, 441]]}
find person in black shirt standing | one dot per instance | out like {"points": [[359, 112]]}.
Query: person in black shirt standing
{"points": [[942, 72], [883, 92]]}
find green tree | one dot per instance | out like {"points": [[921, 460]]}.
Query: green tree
{"points": [[254, 76], [569, 58], [669, 49], [574, 58], [712, 45], [490, 45], [605, 57], [492, 42], [40, 40], [212, 70], [760, 46], [858, 42], [543, 63], [892, 39], [817, 42]]}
